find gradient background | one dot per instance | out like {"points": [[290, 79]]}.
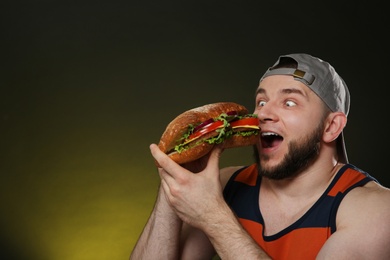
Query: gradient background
{"points": [[86, 86]]}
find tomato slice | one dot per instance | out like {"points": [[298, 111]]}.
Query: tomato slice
{"points": [[251, 122], [205, 130]]}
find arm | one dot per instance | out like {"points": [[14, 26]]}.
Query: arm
{"points": [[197, 199], [229, 238], [363, 226], [196, 245], [160, 237]]}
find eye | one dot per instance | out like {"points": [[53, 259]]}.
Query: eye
{"points": [[290, 103], [261, 103]]}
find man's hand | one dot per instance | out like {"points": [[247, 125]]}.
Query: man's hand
{"points": [[194, 197]]}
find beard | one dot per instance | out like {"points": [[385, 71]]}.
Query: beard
{"points": [[301, 154]]}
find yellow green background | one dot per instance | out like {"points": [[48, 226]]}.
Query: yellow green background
{"points": [[86, 86]]}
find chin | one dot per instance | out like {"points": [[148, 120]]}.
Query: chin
{"points": [[268, 164]]}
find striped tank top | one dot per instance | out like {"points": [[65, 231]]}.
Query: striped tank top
{"points": [[304, 238]]}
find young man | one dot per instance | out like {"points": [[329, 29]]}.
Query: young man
{"points": [[301, 200]]}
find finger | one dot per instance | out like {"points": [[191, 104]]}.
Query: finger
{"points": [[170, 167], [159, 156], [162, 159], [156, 153], [165, 188], [215, 155], [167, 183], [164, 176]]}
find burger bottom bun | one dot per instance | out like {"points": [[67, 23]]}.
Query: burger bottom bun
{"points": [[192, 154]]}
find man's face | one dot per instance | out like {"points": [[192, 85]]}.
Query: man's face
{"points": [[291, 122]]}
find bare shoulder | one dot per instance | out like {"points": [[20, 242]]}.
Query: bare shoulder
{"points": [[362, 225], [368, 200], [226, 173], [367, 203]]}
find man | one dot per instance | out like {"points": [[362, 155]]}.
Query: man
{"points": [[301, 200]]}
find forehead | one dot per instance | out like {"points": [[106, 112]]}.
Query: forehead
{"points": [[283, 84]]}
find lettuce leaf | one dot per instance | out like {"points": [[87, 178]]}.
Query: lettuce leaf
{"points": [[223, 133]]}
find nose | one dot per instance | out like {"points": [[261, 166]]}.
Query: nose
{"points": [[267, 112]]}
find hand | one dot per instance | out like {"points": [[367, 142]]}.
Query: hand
{"points": [[194, 197]]}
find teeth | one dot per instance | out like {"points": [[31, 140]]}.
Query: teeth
{"points": [[268, 134]]}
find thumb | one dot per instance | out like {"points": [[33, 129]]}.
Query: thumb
{"points": [[215, 155]]}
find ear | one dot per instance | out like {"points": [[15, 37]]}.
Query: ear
{"points": [[334, 126]]}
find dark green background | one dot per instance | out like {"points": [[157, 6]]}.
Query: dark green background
{"points": [[86, 86]]}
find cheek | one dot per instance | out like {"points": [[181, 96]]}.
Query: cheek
{"points": [[294, 121], [299, 125]]}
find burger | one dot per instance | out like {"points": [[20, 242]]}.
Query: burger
{"points": [[193, 134]]}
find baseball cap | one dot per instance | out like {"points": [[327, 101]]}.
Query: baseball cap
{"points": [[322, 78]]}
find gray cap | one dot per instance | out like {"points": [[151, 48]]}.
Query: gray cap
{"points": [[322, 78]]}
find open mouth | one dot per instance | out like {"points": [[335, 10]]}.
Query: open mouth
{"points": [[270, 139]]}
